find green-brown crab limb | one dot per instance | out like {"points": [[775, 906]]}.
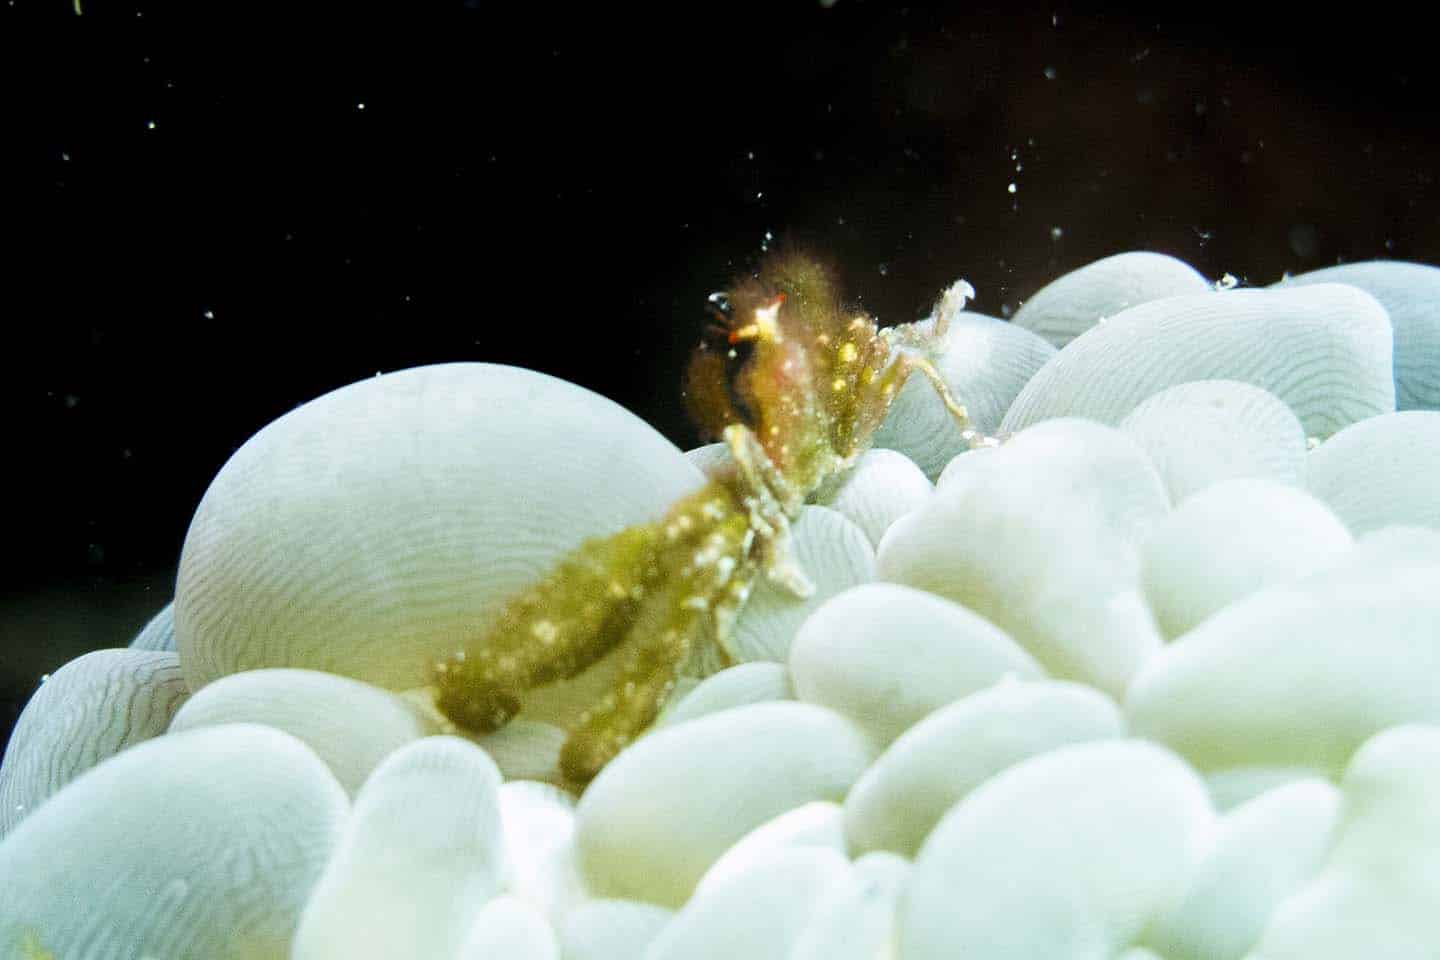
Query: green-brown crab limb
{"points": [[911, 360], [656, 589], [773, 502]]}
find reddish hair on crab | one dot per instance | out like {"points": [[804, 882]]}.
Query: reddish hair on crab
{"points": [[796, 385]]}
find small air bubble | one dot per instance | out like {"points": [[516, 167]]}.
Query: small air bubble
{"points": [[360, 105], [1056, 233], [1012, 188], [150, 125], [209, 314]]}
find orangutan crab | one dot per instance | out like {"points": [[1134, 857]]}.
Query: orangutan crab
{"points": [[796, 385]]}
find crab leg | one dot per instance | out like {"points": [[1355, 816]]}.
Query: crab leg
{"points": [[772, 501]]}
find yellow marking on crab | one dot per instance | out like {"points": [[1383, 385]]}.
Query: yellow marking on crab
{"points": [[765, 328], [848, 352]]}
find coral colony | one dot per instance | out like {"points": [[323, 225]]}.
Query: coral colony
{"points": [[1132, 656]]}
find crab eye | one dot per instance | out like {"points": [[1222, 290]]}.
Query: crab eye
{"points": [[719, 303]]}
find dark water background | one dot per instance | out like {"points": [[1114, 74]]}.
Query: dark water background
{"points": [[218, 211]]}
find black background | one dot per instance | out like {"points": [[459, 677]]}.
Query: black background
{"points": [[218, 211]]}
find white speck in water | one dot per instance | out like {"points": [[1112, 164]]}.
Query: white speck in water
{"points": [[1051, 73], [65, 157], [150, 125], [360, 105], [209, 314], [1012, 188], [1226, 282], [750, 155], [759, 194], [884, 269], [1056, 233], [44, 678]]}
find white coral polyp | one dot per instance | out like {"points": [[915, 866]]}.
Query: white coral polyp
{"points": [[1148, 681]]}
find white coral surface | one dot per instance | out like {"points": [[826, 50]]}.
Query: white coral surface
{"points": [[1147, 681]]}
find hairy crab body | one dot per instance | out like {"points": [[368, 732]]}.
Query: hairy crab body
{"points": [[796, 385]]}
